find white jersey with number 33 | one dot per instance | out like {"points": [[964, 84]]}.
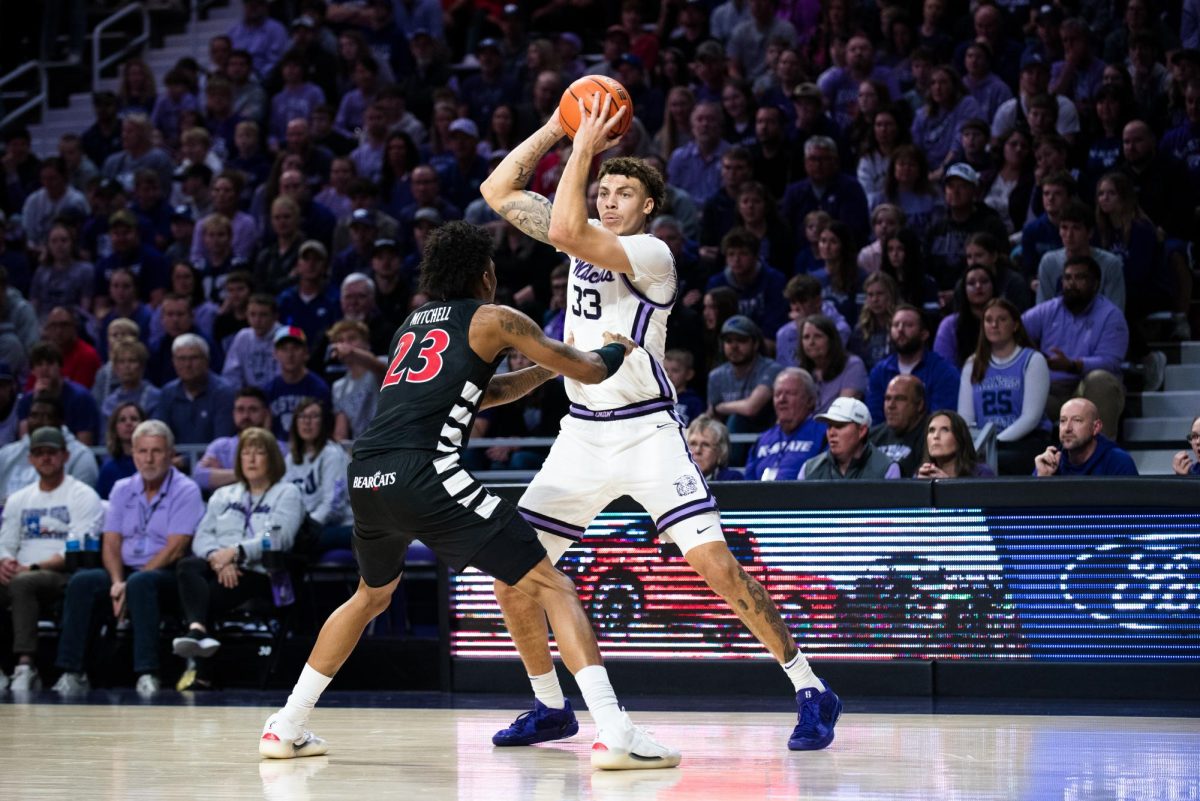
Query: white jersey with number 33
{"points": [[634, 304]]}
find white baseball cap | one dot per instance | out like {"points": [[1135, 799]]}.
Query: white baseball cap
{"points": [[847, 410]]}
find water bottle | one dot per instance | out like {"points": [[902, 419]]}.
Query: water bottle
{"points": [[282, 592], [91, 549], [74, 551]]}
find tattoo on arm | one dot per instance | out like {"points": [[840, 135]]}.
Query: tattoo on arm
{"points": [[517, 324], [530, 213], [511, 386]]}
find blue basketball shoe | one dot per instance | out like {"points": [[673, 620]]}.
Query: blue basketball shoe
{"points": [[539, 725], [818, 714]]}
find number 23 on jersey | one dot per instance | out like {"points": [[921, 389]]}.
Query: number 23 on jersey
{"points": [[429, 358]]}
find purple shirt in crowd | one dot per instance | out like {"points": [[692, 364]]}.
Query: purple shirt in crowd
{"points": [[145, 525], [1098, 336]]}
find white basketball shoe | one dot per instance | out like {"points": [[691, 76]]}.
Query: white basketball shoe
{"points": [[630, 748], [282, 739]]}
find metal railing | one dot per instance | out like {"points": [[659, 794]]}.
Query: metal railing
{"points": [[38, 100], [132, 46]]}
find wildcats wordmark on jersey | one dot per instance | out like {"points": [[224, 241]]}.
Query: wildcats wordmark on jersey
{"points": [[634, 304]]}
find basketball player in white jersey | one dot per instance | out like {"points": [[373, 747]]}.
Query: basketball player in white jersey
{"points": [[622, 437]]}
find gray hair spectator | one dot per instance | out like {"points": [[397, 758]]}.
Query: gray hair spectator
{"points": [[151, 518], [708, 442], [780, 453]]}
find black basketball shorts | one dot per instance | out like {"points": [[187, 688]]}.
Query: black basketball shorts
{"points": [[404, 496]]}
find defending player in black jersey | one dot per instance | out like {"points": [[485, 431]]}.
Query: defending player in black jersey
{"points": [[406, 482]]}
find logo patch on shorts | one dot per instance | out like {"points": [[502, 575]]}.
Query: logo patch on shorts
{"points": [[685, 485], [374, 482]]}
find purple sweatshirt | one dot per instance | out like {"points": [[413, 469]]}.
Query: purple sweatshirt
{"points": [[1098, 336]]}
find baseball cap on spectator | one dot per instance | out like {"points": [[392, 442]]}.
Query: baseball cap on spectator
{"points": [[304, 21], [1048, 15], [123, 217], [574, 40], [426, 215], [311, 246], [109, 187], [182, 212], [497, 155], [806, 91], [488, 43], [631, 60], [974, 123], [6, 372], [363, 217], [47, 437], [616, 30], [385, 244], [464, 126], [419, 32], [289, 332], [199, 170], [1033, 60], [964, 172], [742, 326], [847, 410]]}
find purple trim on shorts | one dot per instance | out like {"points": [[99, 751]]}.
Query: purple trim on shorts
{"points": [[646, 300], [681, 513], [624, 412], [551, 526]]}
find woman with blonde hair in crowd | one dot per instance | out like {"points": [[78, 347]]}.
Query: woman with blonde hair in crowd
{"points": [[886, 221], [226, 566], [136, 92], [676, 130], [870, 338]]}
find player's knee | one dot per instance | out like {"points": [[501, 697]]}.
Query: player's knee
{"points": [[375, 600], [720, 570]]}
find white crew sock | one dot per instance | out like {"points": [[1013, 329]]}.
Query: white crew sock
{"points": [[305, 695], [600, 698], [547, 689], [801, 674]]}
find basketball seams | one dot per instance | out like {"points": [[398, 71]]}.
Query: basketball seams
{"points": [[588, 85]]}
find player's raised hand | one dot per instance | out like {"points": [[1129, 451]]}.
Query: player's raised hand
{"points": [[630, 345], [596, 126]]}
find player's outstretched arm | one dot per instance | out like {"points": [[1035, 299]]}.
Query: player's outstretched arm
{"points": [[569, 230], [504, 190], [509, 387], [498, 327]]}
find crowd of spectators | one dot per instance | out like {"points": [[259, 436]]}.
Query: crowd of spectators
{"points": [[892, 221]]}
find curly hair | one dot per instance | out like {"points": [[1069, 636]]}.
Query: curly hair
{"points": [[630, 167], [456, 255]]}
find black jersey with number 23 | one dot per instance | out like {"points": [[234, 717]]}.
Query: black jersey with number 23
{"points": [[433, 384]]}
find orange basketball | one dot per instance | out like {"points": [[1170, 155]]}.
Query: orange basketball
{"points": [[584, 89]]}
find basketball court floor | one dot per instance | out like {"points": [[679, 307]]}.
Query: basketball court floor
{"points": [[116, 746]]}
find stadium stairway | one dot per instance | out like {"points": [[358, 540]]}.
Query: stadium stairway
{"points": [[1156, 423], [77, 114]]}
